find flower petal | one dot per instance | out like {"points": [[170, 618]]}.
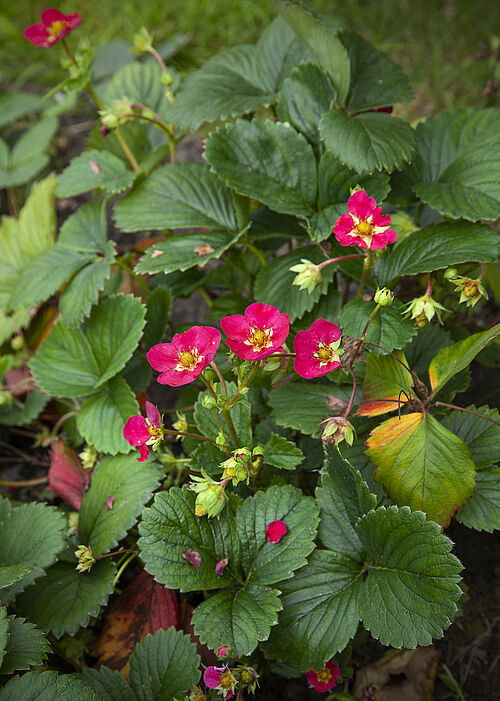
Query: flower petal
{"points": [[163, 356], [236, 327], [360, 205], [144, 451], [262, 315], [136, 431], [211, 676], [154, 416], [275, 531]]}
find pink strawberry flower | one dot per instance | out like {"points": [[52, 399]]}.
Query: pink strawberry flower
{"points": [[317, 349], [53, 27], [365, 225], [140, 432], [189, 353], [325, 679], [258, 334], [220, 678], [275, 531], [223, 651]]}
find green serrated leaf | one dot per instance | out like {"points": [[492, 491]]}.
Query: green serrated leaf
{"points": [[86, 361], [281, 453], [436, 246], [423, 465], [343, 498], [170, 527], [322, 41], [85, 230], [47, 686], [265, 562], [27, 157], [387, 329], [83, 290], [31, 534], [481, 436], [131, 484], [277, 52], [65, 600], [423, 347], [311, 398], [109, 684], [460, 179], [274, 282], [320, 611], [227, 85], [15, 104], [268, 161], [12, 573], [185, 251], [95, 170], [178, 195], [482, 511], [19, 416], [4, 632], [238, 618], [452, 359], [369, 141], [101, 418], [412, 585], [376, 81], [304, 97], [164, 665], [45, 274], [26, 646]]}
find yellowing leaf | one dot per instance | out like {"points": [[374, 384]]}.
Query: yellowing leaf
{"points": [[385, 379], [422, 465]]}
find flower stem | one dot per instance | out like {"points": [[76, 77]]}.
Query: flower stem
{"points": [[221, 379], [353, 393], [368, 262], [123, 567], [336, 260], [467, 411], [24, 483], [171, 432], [229, 420], [256, 251]]}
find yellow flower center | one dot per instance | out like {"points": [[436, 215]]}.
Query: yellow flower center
{"points": [[259, 339], [199, 510], [154, 432], [326, 353], [364, 228], [56, 28], [230, 472], [324, 675], [188, 359], [246, 677], [471, 288], [226, 680]]}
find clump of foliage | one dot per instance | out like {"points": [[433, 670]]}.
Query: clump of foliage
{"points": [[344, 254]]}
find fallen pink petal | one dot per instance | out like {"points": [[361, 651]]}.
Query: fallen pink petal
{"points": [[192, 556], [275, 531], [220, 566], [110, 502]]}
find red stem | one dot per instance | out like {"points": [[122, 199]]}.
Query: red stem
{"points": [[336, 260], [467, 411]]}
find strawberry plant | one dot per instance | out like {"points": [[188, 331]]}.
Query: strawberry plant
{"points": [[241, 468]]}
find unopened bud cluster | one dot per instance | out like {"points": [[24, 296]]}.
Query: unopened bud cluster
{"points": [[471, 289], [423, 310], [85, 558]]}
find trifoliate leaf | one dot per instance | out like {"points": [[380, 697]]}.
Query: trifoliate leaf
{"points": [[131, 484], [109, 684]]}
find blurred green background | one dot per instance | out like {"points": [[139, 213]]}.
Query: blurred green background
{"points": [[435, 41]]}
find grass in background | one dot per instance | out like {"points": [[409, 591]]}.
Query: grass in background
{"points": [[435, 41]]}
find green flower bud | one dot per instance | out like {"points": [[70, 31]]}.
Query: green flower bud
{"points": [[451, 273], [208, 402], [309, 275], [338, 429], [423, 309], [221, 439], [88, 456], [142, 42], [211, 497], [383, 296], [17, 342], [6, 398], [167, 78], [85, 558]]}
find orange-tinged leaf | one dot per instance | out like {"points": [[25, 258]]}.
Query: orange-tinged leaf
{"points": [[385, 379], [422, 465], [142, 608]]}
